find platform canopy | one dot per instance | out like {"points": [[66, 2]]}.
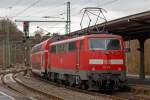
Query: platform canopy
{"points": [[130, 27]]}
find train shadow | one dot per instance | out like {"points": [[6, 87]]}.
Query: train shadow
{"points": [[126, 88]]}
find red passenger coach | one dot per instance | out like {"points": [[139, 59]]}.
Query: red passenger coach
{"points": [[96, 60], [39, 57]]}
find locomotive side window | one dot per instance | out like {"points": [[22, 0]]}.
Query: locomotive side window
{"points": [[72, 46], [104, 44], [65, 47], [53, 49], [59, 48]]}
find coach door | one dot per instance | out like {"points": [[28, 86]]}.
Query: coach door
{"points": [[42, 61]]}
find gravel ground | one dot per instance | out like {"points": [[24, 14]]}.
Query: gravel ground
{"points": [[57, 91], [4, 89], [12, 68], [24, 91]]}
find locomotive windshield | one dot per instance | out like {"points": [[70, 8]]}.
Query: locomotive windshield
{"points": [[104, 44]]}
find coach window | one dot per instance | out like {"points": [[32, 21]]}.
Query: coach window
{"points": [[72, 46], [38, 48], [35, 49], [53, 49]]}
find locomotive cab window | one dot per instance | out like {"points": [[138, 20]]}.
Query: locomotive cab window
{"points": [[113, 44], [104, 44], [53, 49]]}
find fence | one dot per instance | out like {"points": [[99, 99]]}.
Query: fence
{"points": [[11, 53]]}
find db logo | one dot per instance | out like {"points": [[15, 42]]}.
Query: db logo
{"points": [[106, 67], [106, 61]]}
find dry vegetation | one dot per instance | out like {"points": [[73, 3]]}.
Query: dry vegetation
{"points": [[17, 43], [15, 38]]}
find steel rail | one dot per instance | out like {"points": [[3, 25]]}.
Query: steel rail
{"points": [[51, 97]]}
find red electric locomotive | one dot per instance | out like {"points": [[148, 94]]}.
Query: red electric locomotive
{"points": [[89, 61]]}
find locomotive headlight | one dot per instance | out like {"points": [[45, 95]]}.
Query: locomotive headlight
{"points": [[119, 69], [93, 68]]}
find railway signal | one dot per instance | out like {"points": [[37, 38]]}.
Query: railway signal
{"points": [[26, 27], [27, 45]]}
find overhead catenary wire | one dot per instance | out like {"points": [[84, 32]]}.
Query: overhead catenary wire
{"points": [[108, 3], [48, 10], [104, 17], [14, 4], [99, 5], [41, 17], [30, 6]]}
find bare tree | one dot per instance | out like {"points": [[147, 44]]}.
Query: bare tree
{"points": [[38, 36]]}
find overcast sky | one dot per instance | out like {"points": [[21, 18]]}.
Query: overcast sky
{"points": [[22, 9]]}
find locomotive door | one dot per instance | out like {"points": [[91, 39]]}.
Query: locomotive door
{"points": [[78, 56]]}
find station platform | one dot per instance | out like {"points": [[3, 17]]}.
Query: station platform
{"points": [[134, 79]]}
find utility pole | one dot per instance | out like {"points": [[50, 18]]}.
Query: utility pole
{"points": [[27, 39], [68, 24]]}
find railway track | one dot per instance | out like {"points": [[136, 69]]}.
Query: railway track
{"points": [[23, 89], [120, 95], [35, 91], [98, 96], [96, 93], [52, 97]]}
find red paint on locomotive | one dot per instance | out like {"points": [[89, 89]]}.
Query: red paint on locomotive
{"points": [[65, 59], [97, 58]]}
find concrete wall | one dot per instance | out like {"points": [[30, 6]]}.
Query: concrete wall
{"points": [[133, 57]]}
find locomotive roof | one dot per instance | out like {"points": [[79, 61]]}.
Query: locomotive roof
{"points": [[86, 36]]}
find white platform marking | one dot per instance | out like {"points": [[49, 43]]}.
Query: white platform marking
{"points": [[7, 95]]}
